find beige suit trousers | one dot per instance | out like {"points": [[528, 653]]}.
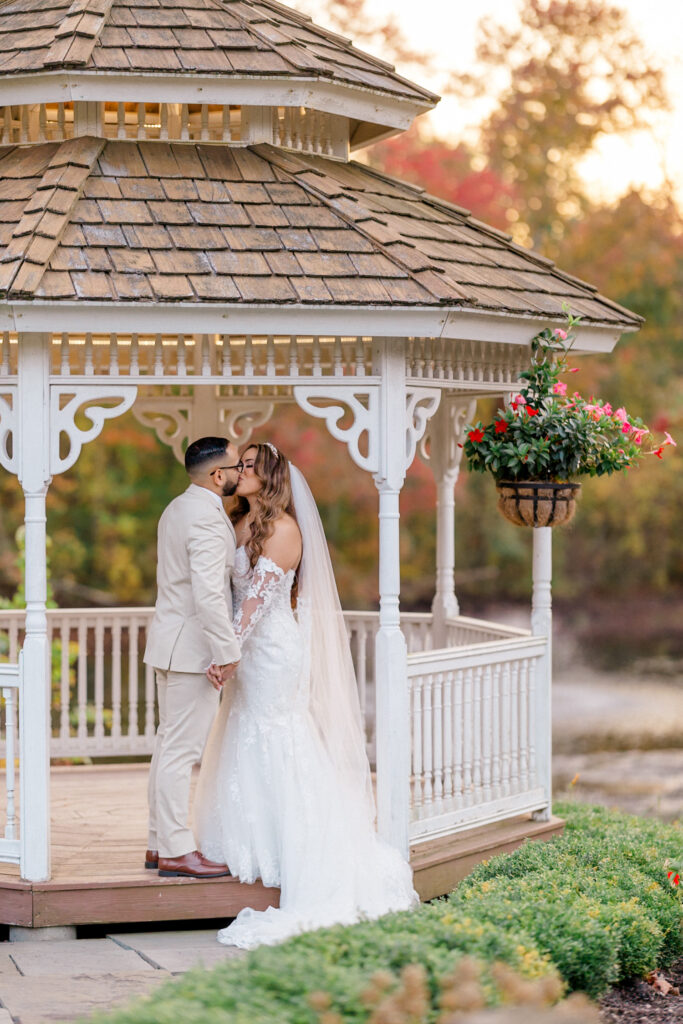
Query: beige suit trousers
{"points": [[187, 706]]}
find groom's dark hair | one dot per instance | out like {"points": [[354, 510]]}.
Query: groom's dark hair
{"points": [[203, 451]]}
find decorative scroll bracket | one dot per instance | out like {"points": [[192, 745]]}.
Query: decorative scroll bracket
{"points": [[175, 419], [241, 417], [171, 420], [8, 427], [421, 405], [84, 398], [440, 443], [363, 403]]}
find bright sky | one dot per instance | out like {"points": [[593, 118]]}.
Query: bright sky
{"points": [[447, 28]]}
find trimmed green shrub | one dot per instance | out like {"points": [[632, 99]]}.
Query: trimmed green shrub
{"points": [[593, 905]]}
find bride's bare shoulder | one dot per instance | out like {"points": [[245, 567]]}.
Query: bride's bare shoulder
{"points": [[284, 544], [287, 527]]}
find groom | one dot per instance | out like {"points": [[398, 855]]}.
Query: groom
{"points": [[191, 629]]}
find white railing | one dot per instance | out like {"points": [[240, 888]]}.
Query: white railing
{"points": [[474, 734], [10, 676], [475, 725], [461, 631], [103, 696]]}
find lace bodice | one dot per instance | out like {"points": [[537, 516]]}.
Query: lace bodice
{"points": [[265, 588]]}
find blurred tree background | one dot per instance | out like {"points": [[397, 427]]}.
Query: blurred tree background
{"points": [[571, 72]]}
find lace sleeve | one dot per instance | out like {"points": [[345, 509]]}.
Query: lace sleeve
{"points": [[264, 583]]}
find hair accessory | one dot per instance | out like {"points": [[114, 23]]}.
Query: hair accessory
{"points": [[272, 448]]}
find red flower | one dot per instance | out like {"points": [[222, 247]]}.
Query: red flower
{"points": [[530, 411], [501, 426], [476, 435], [658, 453], [677, 879]]}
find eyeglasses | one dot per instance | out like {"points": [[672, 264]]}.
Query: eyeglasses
{"points": [[239, 466]]}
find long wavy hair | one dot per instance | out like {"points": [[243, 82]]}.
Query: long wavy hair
{"points": [[273, 500]]}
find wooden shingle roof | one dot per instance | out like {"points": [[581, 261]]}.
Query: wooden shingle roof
{"points": [[233, 38], [152, 222]]}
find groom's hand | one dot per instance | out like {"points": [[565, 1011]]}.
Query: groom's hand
{"points": [[218, 675]]}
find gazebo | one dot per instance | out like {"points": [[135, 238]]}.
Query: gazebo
{"points": [[185, 234]]}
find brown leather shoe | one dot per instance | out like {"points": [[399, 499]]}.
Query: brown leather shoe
{"points": [[151, 859], [191, 865]]}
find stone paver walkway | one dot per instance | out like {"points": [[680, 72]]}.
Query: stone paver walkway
{"points": [[64, 981]]}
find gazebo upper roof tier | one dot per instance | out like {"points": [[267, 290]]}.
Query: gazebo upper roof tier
{"points": [[90, 220], [255, 52]]}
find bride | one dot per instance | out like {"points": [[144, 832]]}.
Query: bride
{"points": [[285, 792]]}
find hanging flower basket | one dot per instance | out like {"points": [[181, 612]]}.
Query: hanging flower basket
{"points": [[545, 437], [537, 503]]}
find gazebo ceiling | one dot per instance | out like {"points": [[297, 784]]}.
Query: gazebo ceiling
{"points": [[149, 44], [90, 220]]}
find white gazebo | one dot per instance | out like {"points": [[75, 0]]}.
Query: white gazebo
{"points": [[184, 234]]}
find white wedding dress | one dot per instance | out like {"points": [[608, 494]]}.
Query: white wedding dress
{"points": [[284, 791]]}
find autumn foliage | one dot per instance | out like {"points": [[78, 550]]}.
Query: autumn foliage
{"points": [[568, 73]]}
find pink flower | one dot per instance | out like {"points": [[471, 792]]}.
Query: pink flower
{"points": [[559, 333], [573, 369], [669, 439], [607, 409], [638, 436], [559, 388], [621, 415], [517, 401], [626, 427]]}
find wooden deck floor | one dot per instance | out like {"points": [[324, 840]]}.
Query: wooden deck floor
{"points": [[99, 817], [99, 835]]}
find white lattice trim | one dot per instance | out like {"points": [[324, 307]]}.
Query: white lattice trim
{"points": [[8, 427], [170, 419], [421, 404], [174, 422], [85, 399], [363, 404], [240, 422], [440, 444]]}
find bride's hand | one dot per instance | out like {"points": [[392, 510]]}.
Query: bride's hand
{"points": [[218, 675], [214, 674]]}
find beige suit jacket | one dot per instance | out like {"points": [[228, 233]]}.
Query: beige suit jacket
{"points": [[192, 623]]}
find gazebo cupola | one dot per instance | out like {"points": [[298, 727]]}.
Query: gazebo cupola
{"points": [[183, 234], [197, 70]]}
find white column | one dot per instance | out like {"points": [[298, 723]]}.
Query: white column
{"points": [[391, 679], [445, 456], [542, 625], [33, 470]]}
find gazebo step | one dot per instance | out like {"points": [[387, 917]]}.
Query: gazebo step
{"points": [[55, 903], [439, 864]]}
